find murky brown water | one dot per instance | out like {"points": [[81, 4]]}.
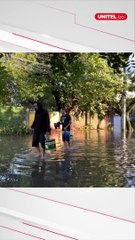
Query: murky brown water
{"points": [[95, 159]]}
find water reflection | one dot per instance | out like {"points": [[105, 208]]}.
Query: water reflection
{"points": [[38, 174], [95, 159]]}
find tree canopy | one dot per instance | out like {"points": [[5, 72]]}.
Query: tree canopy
{"points": [[89, 81], [5, 84]]}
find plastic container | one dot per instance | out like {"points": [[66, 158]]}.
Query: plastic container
{"points": [[50, 145]]}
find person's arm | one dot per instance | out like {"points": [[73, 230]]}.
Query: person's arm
{"points": [[33, 125], [68, 123], [46, 122], [60, 122]]}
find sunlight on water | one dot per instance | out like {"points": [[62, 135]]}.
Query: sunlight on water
{"points": [[95, 159]]}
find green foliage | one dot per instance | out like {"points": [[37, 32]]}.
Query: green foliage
{"points": [[116, 60], [4, 84], [98, 85], [29, 78], [90, 81], [13, 120]]}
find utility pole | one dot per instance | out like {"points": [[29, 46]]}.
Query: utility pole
{"points": [[123, 105]]}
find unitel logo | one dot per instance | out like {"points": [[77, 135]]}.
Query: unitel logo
{"points": [[111, 16]]}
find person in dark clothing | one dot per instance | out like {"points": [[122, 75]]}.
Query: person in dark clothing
{"points": [[66, 123], [40, 127]]}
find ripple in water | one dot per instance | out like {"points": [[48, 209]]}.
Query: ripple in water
{"points": [[95, 159]]}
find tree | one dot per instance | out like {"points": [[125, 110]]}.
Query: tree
{"points": [[28, 85], [60, 76], [116, 60], [5, 84], [84, 80], [98, 86]]}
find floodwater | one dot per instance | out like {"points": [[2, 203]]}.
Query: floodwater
{"points": [[95, 159]]}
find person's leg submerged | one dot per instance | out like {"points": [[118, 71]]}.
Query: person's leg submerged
{"points": [[67, 139], [42, 145], [35, 143], [64, 139], [42, 151]]}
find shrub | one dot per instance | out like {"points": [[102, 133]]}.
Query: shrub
{"points": [[13, 120]]}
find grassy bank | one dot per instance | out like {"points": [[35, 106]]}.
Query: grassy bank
{"points": [[13, 120]]}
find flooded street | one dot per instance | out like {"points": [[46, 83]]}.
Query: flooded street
{"points": [[95, 159]]}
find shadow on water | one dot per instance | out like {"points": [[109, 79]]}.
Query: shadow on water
{"points": [[95, 159]]}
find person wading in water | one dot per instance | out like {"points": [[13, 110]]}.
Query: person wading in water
{"points": [[66, 123], [40, 127]]}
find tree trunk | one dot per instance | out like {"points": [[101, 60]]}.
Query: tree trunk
{"points": [[86, 118], [57, 99], [28, 117], [128, 123], [99, 123]]}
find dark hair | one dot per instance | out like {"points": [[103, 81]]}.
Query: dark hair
{"points": [[64, 109], [39, 104]]}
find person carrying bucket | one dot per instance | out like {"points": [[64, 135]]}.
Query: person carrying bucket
{"points": [[40, 127], [66, 123]]}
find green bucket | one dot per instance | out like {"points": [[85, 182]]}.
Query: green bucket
{"points": [[50, 144]]}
